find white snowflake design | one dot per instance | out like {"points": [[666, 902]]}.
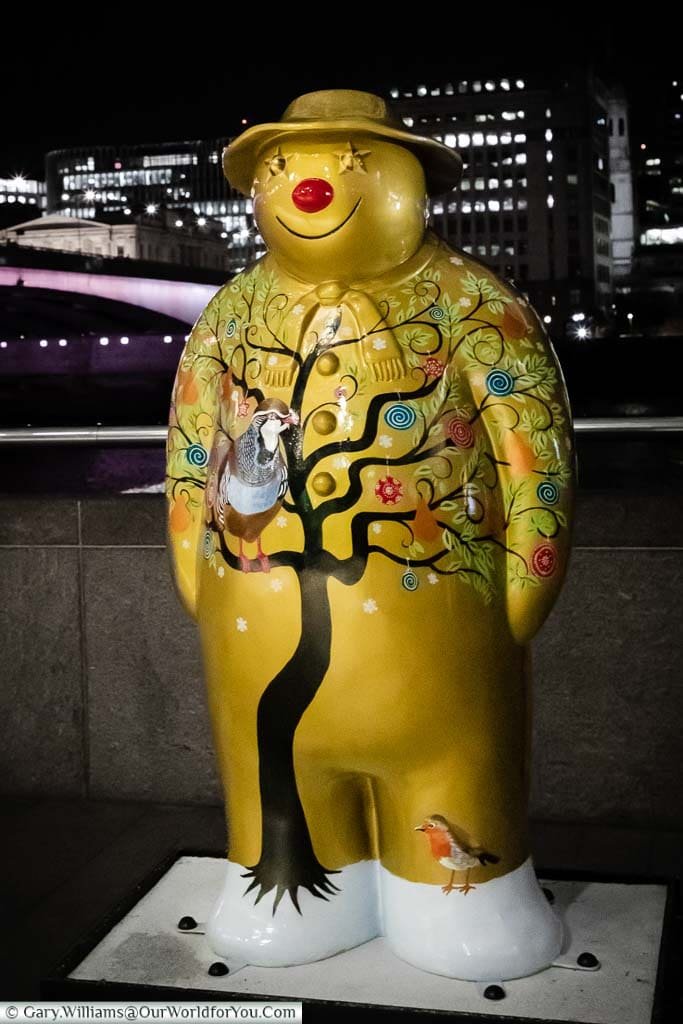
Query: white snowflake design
{"points": [[186, 543], [242, 624], [370, 606], [432, 578], [271, 361], [456, 260], [385, 441], [298, 309], [221, 571], [379, 343], [464, 301], [276, 584], [376, 527], [281, 521], [341, 462]]}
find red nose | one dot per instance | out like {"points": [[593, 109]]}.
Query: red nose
{"points": [[312, 195]]}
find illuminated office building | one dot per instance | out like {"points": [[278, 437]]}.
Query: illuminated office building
{"points": [[20, 198], [111, 182], [534, 202]]}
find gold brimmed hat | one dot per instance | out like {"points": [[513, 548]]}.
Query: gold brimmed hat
{"points": [[341, 110]]}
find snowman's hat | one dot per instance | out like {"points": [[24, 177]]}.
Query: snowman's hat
{"points": [[341, 110]]}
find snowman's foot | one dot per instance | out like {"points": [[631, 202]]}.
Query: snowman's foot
{"points": [[250, 929], [506, 930]]}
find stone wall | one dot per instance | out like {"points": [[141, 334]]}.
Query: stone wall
{"points": [[101, 692]]}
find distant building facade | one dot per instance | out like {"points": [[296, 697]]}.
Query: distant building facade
{"points": [[535, 199], [156, 242], [111, 182], [21, 197], [621, 178]]}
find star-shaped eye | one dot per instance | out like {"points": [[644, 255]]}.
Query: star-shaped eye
{"points": [[276, 163], [351, 159]]}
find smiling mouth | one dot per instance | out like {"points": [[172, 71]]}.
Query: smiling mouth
{"points": [[325, 234]]}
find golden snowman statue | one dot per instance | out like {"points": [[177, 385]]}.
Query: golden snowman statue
{"points": [[370, 479]]}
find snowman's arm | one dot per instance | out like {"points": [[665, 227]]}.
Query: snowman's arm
{"points": [[192, 424], [530, 433]]}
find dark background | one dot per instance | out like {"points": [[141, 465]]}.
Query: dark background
{"points": [[106, 76]]}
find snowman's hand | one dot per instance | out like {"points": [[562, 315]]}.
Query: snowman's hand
{"points": [[192, 425], [523, 407]]}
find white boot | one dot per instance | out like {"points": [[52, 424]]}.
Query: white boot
{"points": [[501, 929], [249, 932]]}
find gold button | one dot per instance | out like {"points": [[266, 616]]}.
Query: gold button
{"points": [[324, 422], [328, 364], [323, 484]]}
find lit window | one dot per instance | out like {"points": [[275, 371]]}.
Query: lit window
{"points": [[601, 164], [490, 86], [492, 140], [437, 208], [478, 139], [480, 184], [479, 118], [505, 84], [507, 183], [521, 204], [435, 92], [493, 182], [422, 90], [480, 206], [509, 115], [654, 161], [548, 135], [476, 86], [466, 207], [462, 86], [494, 205], [481, 250], [508, 204], [464, 184], [520, 158], [394, 94], [408, 122], [520, 137], [505, 139], [463, 140], [548, 112], [550, 202], [450, 140], [520, 83], [549, 156]]}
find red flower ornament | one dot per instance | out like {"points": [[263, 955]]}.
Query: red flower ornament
{"points": [[544, 560], [389, 490]]}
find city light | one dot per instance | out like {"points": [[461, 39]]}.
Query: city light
{"points": [[151, 208], [89, 195], [578, 316], [178, 223], [3, 344], [547, 319], [43, 343], [124, 340], [104, 341], [167, 339], [201, 221], [63, 343], [582, 332]]}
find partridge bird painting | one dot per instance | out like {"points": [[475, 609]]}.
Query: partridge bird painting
{"points": [[252, 479], [452, 852]]}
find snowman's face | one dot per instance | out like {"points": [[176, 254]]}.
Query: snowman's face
{"points": [[339, 206]]}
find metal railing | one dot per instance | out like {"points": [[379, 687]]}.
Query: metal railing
{"points": [[131, 436]]}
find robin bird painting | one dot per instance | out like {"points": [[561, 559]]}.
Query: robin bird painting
{"points": [[383, 414], [452, 852]]}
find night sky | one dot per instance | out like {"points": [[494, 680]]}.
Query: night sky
{"points": [[97, 82]]}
